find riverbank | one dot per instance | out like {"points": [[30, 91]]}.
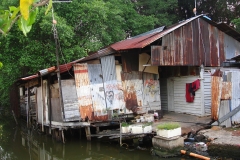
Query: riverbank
{"points": [[219, 141]]}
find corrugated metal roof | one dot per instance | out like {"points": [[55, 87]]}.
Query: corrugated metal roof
{"points": [[29, 77], [63, 68], [146, 39], [142, 40]]}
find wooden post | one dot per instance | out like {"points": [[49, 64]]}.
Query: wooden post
{"points": [[97, 130], [120, 134], [195, 155], [88, 133], [63, 139]]}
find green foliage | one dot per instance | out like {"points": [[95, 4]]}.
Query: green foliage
{"points": [[125, 124], [236, 22], [168, 126], [165, 11]]}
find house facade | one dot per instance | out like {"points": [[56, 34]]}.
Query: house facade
{"points": [[164, 69]]}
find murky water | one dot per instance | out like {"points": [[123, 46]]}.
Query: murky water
{"points": [[17, 142]]}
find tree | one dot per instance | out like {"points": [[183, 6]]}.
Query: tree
{"points": [[164, 10], [24, 14], [83, 26]]}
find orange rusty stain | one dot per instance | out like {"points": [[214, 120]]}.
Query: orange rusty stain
{"points": [[101, 118], [130, 98], [216, 89], [226, 90], [86, 112]]}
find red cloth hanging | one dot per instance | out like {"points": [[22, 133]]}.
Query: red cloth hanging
{"points": [[196, 85], [189, 96]]}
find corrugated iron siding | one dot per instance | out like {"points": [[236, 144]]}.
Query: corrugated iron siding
{"points": [[194, 44], [113, 88], [180, 104], [108, 68], [164, 93], [133, 90], [235, 102], [223, 110], [207, 91], [97, 89], [231, 47], [83, 91], [151, 91]]}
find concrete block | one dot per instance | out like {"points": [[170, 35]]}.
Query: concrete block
{"points": [[167, 143]]}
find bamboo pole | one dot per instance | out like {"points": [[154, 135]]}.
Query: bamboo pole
{"points": [[195, 155]]}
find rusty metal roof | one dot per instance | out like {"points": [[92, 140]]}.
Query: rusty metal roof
{"points": [[146, 39], [63, 68]]}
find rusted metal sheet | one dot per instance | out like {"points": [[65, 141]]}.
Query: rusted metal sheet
{"points": [[97, 89], [214, 52], [192, 44], [216, 83], [130, 61], [70, 100], [226, 90], [157, 55], [83, 91], [151, 91], [133, 90], [47, 71], [204, 42], [196, 42]]}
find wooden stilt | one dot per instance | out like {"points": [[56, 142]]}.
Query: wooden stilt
{"points": [[97, 130], [88, 133], [63, 139]]}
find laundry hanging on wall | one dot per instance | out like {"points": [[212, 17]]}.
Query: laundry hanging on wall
{"points": [[191, 88]]}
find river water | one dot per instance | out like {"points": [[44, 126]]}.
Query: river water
{"points": [[19, 143]]}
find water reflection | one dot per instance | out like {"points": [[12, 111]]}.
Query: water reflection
{"points": [[24, 144]]}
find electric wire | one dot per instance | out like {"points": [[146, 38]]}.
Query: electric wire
{"points": [[55, 33]]}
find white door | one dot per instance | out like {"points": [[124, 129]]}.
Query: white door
{"points": [[170, 89]]}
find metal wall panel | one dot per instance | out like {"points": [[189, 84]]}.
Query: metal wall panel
{"points": [[151, 91], [226, 91], [235, 102], [207, 91], [83, 90], [108, 68], [70, 100], [113, 88], [193, 44], [97, 89], [216, 91], [164, 93], [180, 104], [223, 110], [133, 90], [231, 47]]}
